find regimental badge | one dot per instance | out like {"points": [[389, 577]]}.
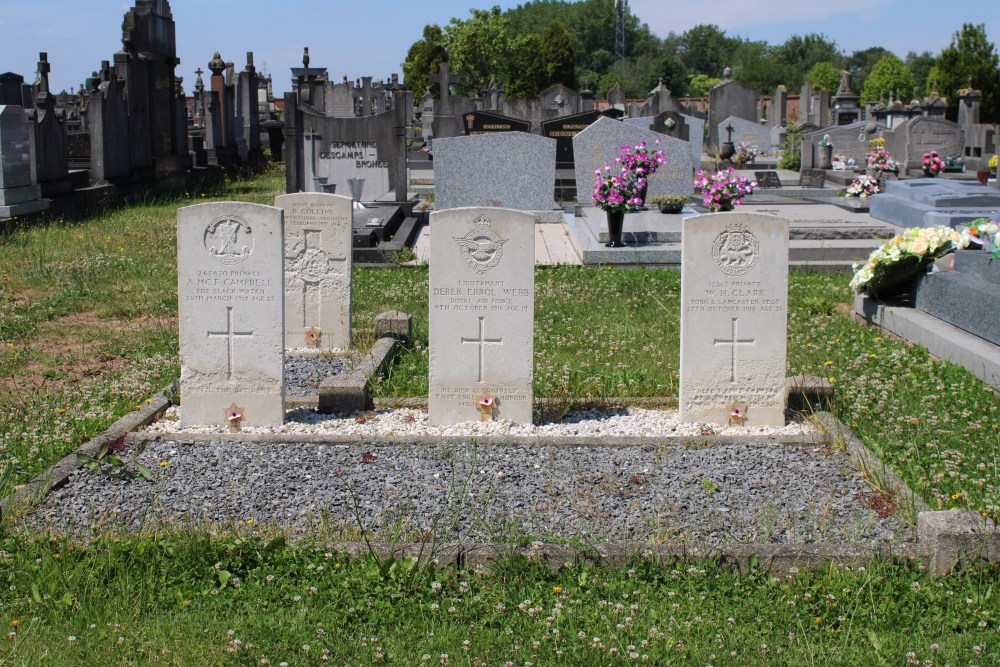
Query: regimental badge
{"points": [[482, 247], [735, 250], [229, 239]]}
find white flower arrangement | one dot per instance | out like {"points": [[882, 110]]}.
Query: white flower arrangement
{"points": [[902, 256], [863, 186]]}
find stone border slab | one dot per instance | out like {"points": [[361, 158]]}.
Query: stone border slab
{"points": [[58, 474]]}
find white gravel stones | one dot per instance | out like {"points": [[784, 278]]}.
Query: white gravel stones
{"points": [[630, 422]]}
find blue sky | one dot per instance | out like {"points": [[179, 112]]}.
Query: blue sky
{"points": [[362, 38]]}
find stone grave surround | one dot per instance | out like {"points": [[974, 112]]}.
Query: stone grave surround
{"points": [[599, 145], [929, 202], [318, 261], [734, 303], [513, 170], [230, 260], [481, 315]]}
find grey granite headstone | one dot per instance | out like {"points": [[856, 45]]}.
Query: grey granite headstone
{"points": [[696, 137], [18, 194], [513, 168], [729, 98], [923, 135], [482, 310], [734, 309], [231, 313], [851, 141], [318, 261], [929, 202], [601, 143], [968, 297], [745, 130]]}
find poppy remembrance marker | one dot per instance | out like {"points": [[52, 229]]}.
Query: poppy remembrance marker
{"points": [[482, 312], [734, 328], [231, 314]]}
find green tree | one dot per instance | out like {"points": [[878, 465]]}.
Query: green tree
{"points": [[423, 60], [824, 76], [970, 55], [699, 85], [921, 66], [706, 50], [889, 76], [755, 65], [558, 55], [799, 54], [860, 63], [481, 48], [528, 75]]}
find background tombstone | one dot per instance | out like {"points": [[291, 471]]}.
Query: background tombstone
{"points": [[563, 129], [600, 144], [19, 195], [482, 310], [109, 134], [14, 91], [231, 313], [745, 130], [513, 168], [485, 122], [318, 233], [734, 328], [729, 98]]}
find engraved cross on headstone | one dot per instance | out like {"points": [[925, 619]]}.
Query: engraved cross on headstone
{"points": [[733, 342], [231, 335], [322, 266], [729, 133], [482, 342]]}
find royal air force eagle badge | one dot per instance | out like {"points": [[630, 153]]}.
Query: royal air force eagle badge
{"points": [[482, 247]]}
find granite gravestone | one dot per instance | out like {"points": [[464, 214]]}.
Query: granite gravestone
{"points": [[767, 179], [729, 98], [850, 141], [231, 313], [923, 135], [929, 202], [601, 143], [734, 300], [812, 178], [968, 297], [513, 168], [19, 195], [482, 310], [745, 130], [318, 237]]}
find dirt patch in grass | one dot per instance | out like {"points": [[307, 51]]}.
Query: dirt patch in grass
{"points": [[70, 349]]}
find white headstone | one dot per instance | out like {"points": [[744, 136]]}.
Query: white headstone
{"points": [[318, 238], [231, 313], [482, 312], [734, 303]]}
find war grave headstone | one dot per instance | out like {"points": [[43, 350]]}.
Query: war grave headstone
{"points": [[734, 302], [745, 130], [230, 263], [484, 122], [511, 169], [481, 312], [318, 262], [601, 143], [929, 202], [19, 195]]}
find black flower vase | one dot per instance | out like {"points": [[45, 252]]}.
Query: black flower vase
{"points": [[615, 221], [641, 194]]}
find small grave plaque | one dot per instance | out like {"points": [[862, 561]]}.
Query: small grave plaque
{"points": [[812, 178], [231, 313], [484, 122], [767, 179], [318, 235], [482, 310], [734, 300]]}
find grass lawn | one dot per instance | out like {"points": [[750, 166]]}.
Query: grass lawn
{"points": [[88, 331]]}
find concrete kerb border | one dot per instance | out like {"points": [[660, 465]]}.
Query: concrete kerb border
{"points": [[945, 540], [58, 474]]}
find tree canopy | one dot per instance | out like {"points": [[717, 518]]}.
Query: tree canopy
{"points": [[544, 42]]}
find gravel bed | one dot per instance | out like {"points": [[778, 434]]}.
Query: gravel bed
{"points": [[756, 491], [305, 368]]}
